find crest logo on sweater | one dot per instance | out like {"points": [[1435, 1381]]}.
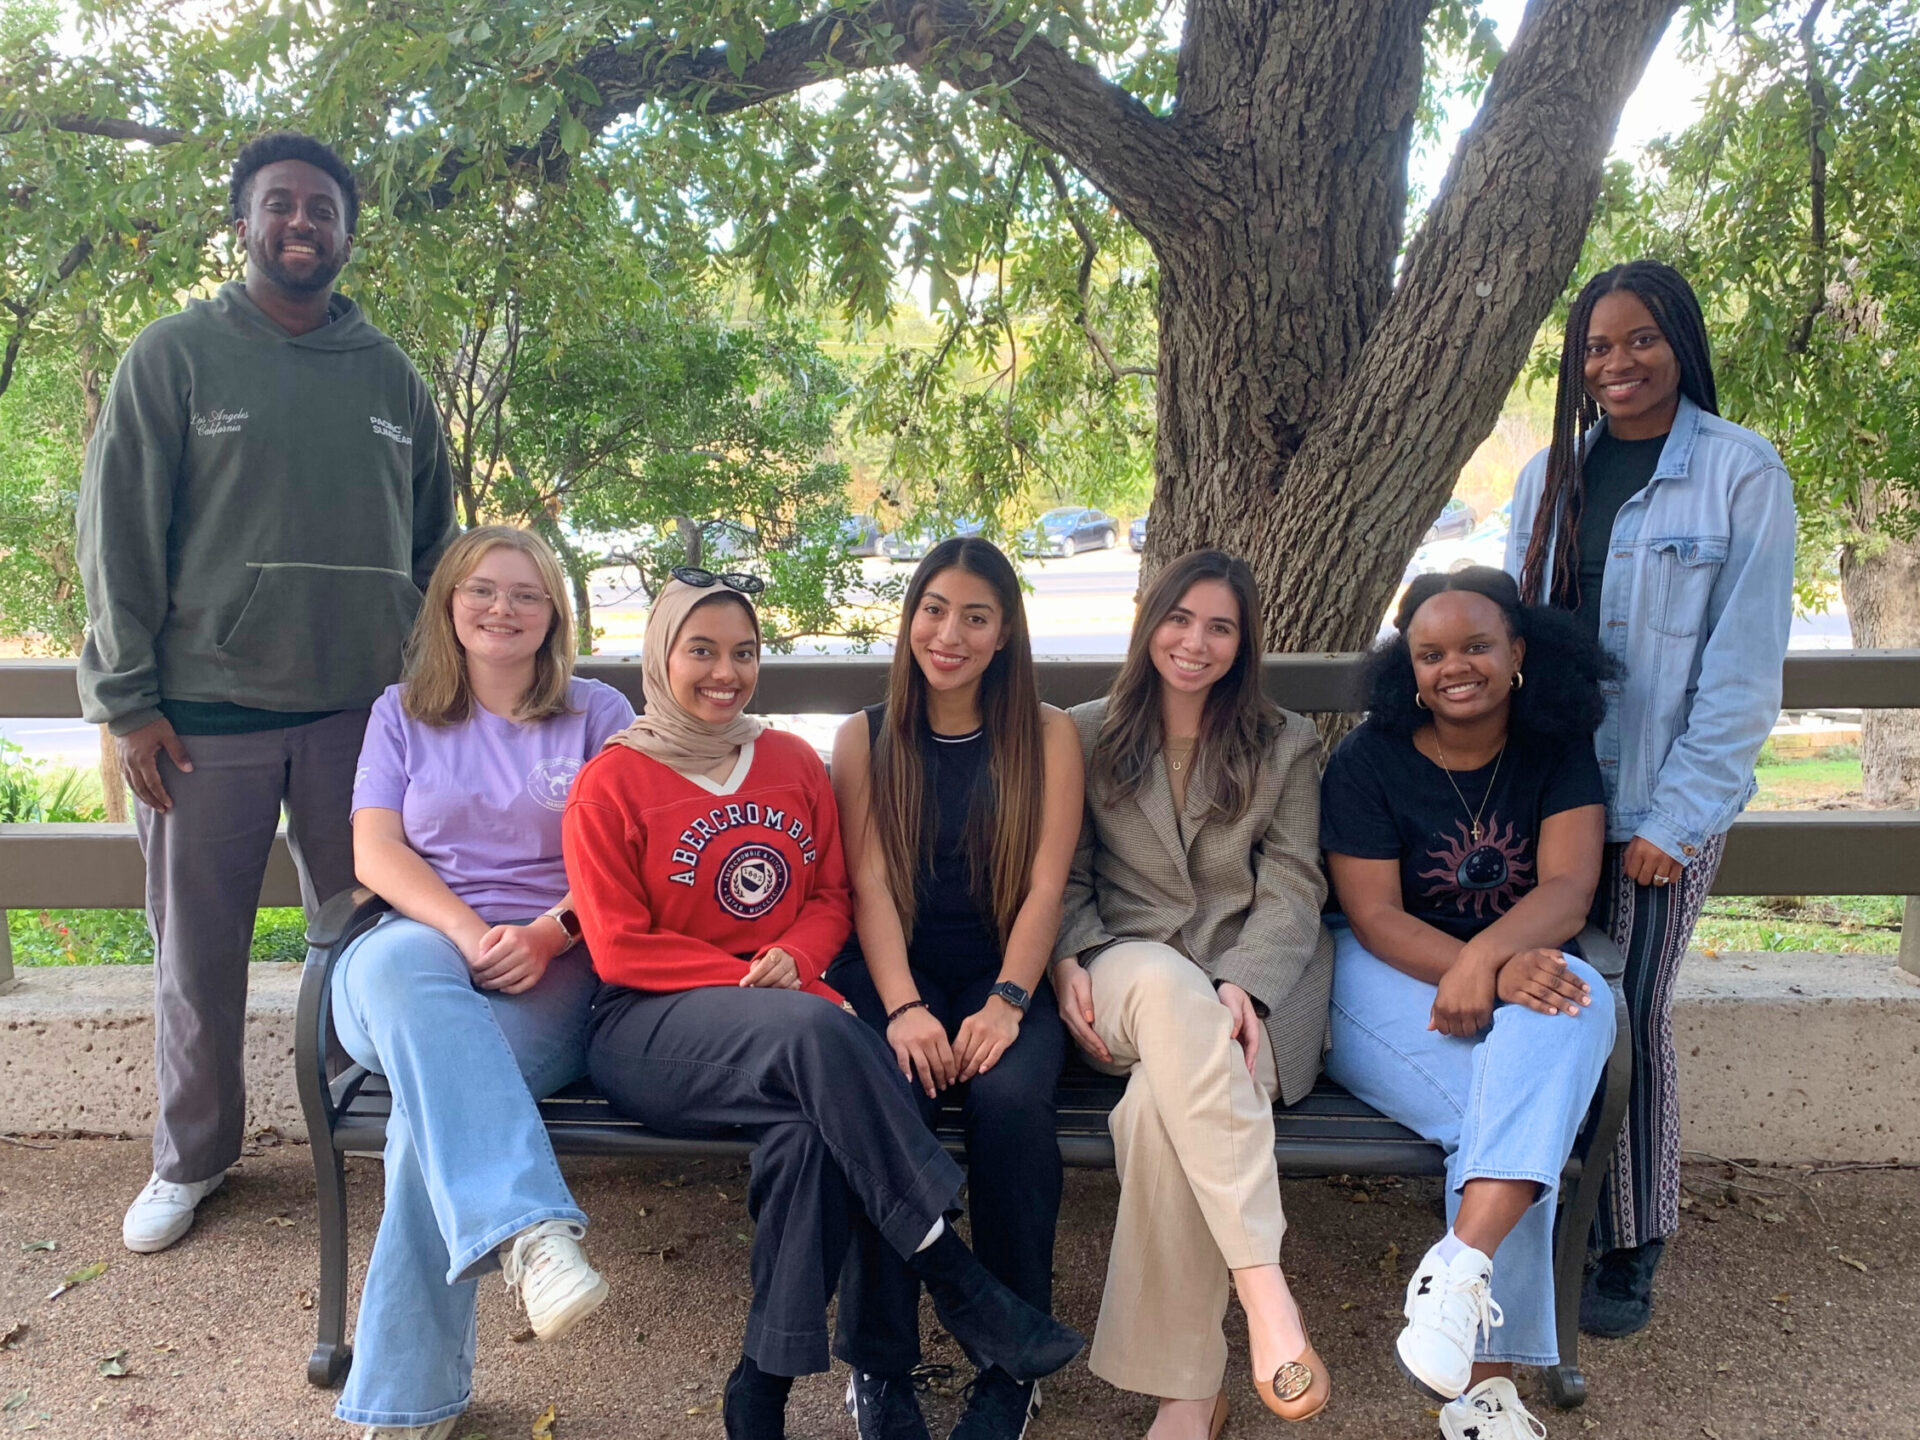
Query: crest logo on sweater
{"points": [[751, 881], [387, 430]]}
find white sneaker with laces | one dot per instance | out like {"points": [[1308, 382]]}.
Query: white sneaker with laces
{"points": [[1490, 1411], [1448, 1305], [163, 1212], [549, 1273], [438, 1430]]}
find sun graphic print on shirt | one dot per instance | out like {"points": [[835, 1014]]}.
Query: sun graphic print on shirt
{"points": [[1483, 879]]}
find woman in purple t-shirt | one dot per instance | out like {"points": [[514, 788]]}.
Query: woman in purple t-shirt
{"points": [[472, 997]]}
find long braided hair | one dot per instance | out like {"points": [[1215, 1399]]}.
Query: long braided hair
{"points": [[1675, 309]]}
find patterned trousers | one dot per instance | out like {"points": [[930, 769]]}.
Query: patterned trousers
{"points": [[1653, 925]]}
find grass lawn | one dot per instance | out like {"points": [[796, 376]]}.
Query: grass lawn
{"points": [[119, 937]]}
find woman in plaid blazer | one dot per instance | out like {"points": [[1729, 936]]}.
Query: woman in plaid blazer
{"points": [[1192, 960]]}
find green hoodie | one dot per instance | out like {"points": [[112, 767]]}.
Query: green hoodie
{"points": [[259, 513]]}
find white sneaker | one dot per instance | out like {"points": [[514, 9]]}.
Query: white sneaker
{"points": [[438, 1430], [163, 1212], [1490, 1411], [1447, 1306], [547, 1269]]}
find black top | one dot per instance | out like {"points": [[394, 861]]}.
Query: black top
{"points": [[1615, 471], [1381, 799], [953, 937]]}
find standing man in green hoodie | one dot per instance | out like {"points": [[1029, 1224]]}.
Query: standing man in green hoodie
{"points": [[263, 500]]}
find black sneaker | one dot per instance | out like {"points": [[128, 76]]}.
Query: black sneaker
{"points": [[1617, 1298], [884, 1407], [999, 1407], [755, 1403]]}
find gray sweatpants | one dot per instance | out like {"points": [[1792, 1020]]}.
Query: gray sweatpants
{"points": [[205, 861]]}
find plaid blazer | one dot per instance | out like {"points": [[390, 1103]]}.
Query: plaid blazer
{"points": [[1242, 899]]}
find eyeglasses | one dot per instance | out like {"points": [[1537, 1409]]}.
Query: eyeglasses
{"points": [[733, 579], [481, 594]]}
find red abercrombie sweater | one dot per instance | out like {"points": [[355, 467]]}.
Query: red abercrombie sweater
{"points": [[681, 883]]}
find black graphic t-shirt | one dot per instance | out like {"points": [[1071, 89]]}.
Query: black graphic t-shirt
{"points": [[1381, 799]]}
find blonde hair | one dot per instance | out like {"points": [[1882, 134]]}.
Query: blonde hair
{"points": [[437, 691]]}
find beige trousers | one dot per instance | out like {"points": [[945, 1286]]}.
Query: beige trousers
{"points": [[1199, 1195]]}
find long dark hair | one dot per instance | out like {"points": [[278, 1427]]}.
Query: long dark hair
{"points": [[1561, 698], [1239, 721], [1556, 524], [1003, 833]]}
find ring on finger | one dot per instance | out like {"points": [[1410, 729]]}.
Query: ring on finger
{"points": [[1661, 879]]}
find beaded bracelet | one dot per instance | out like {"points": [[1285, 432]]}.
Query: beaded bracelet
{"points": [[910, 1005]]}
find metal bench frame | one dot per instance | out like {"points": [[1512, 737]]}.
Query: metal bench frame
{"points": [[1328, 1132]]}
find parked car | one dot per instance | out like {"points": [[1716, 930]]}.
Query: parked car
{"points": [[1070, 529], [913, 544], [861, 535], [1455, 522], [1137, 535], [1487, 545]]}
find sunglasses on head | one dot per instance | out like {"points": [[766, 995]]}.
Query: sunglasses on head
{"points": [[700, 579]]}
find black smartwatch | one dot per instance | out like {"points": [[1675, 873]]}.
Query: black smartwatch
{"points": [[1013, 995]]}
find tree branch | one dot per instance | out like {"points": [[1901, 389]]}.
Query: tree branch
{"points": [[25, 310], [1820, 107], [1496, 249], [1083, 281]]}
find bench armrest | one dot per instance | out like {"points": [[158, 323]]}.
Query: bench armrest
{"points": [[1598, 950], [340, 921]]}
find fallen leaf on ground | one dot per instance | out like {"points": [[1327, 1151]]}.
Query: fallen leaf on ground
{"points": [[12, 1333], [706, 1407], [113, 1366], [39, 1244], [1390, 1262], [1783, 1297], [1859, 1265], [305, 1297], [544, 1422], [13, 1402], [520, 1337], [279, 1220], [78, 1277], [1710, 1432]]}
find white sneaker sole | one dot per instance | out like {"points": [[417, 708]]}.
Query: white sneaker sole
{"points": [[571, 1311], [1429, 1384]]}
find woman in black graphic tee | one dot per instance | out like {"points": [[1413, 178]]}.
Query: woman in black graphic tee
{"points": [[1463, 824]]}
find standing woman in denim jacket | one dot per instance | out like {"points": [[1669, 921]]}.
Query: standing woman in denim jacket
{"points": [[1670, 531]]}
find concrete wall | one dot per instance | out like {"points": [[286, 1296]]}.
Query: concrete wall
{"points": [[1782, 1057]]}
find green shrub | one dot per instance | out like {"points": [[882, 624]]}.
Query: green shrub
{"points": [[31, 793]]}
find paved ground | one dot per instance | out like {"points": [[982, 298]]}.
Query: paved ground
{"points": [[1788, 1308]]}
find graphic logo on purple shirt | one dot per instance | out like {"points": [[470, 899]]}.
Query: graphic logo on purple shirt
{"points": [[752, 881], [550, 780]]}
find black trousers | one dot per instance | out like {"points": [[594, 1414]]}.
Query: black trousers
{"points": [[843, 1155], [1013, 1168]]}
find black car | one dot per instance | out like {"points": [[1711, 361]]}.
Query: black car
{"points": [[1069, 530], [1137, 535], [1456, 522]]}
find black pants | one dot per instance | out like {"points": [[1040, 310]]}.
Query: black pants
{"points": [[844, 1156], [1013, 1164]]}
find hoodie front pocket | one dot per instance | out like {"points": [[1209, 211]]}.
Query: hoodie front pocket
{"points": [[315, 637]]}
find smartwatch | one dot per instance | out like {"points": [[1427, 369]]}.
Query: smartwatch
{"points": [[568, 921], [1012, 994]]}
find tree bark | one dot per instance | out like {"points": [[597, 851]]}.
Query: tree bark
{"points": [[1880, 581]]}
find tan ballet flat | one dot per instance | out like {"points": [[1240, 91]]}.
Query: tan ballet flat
{"points": [[1221, 1409], [1299, 1389]]}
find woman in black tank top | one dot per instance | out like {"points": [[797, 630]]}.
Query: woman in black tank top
{"points": [[960, 802]]}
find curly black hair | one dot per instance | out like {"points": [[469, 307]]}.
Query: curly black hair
{"points": [[1565, 666], [278, 145]]}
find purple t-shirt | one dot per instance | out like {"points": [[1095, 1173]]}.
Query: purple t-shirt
{"points": [[481, 801]]}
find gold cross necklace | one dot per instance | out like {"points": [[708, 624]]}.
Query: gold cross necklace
{"points": [[1447, 770]]}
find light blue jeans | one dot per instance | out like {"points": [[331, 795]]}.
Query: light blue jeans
{"points": [[1506, 1105], [468, 1162]]}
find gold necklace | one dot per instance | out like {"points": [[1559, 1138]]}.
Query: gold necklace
{"points": [[1447, 770]]}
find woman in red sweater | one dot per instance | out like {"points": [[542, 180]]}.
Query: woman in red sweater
{"points": [[704, 854]]}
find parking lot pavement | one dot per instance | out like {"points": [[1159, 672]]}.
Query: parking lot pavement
{"points": [[1787, 1307]]}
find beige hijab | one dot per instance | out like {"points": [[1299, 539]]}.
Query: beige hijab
{"points": [[665, 729]]}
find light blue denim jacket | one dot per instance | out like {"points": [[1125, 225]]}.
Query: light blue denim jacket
{"points": [[1695, 607]]}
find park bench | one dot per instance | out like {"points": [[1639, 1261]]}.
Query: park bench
{"points": [[1328, 1132]]}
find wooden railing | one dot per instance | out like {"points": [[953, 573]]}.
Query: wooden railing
{"points": [[1798, 852]]}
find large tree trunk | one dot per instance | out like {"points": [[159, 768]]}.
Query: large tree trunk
{"points": [[1880, 581]]}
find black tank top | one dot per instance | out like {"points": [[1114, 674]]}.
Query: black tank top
{"points": [[953, 937]]}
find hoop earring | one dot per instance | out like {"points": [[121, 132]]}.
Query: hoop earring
{"points": [[1517, 681], [1418, 702]]}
